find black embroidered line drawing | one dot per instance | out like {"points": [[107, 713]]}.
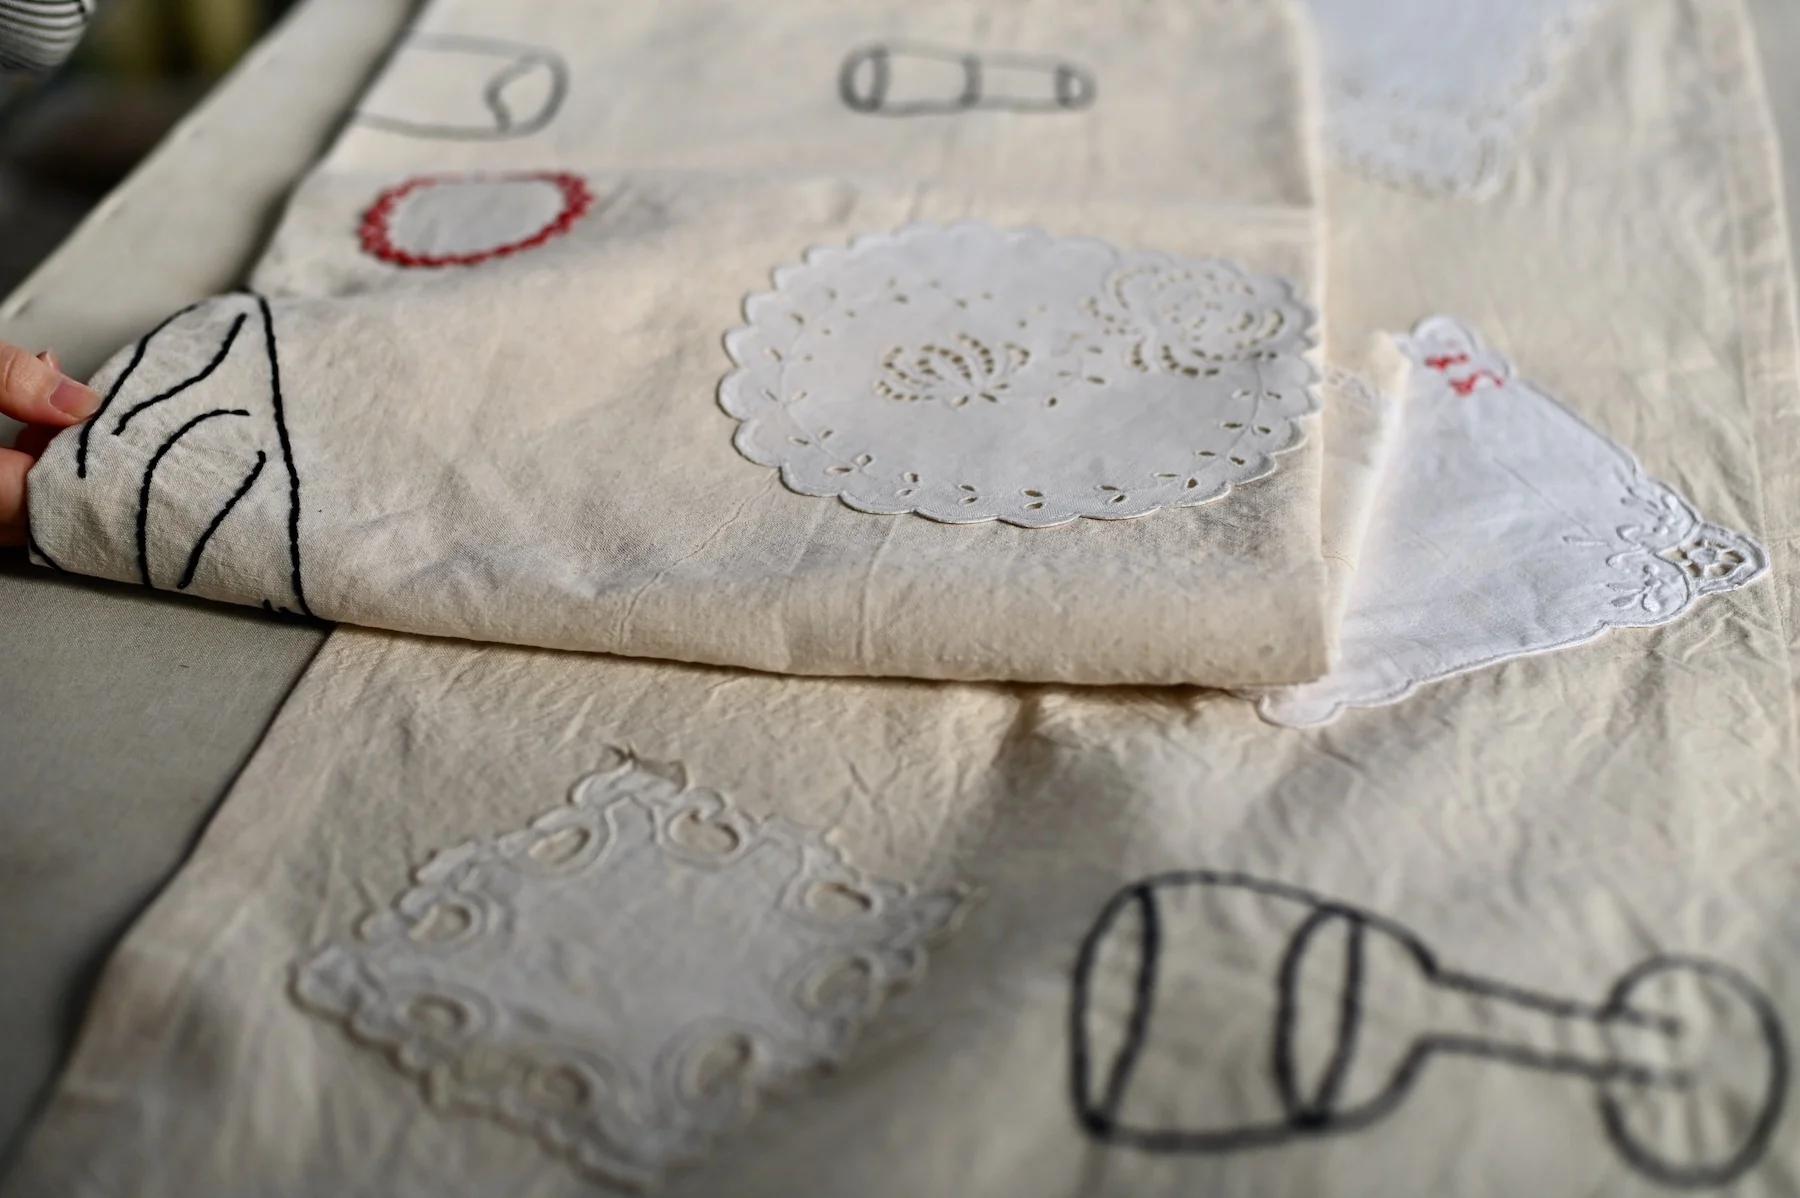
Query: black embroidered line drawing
{"points": [[287, 454], [193, 562], [184, 384], [143, 507], [246, 371], [1687, 1057], [112, 392], [909, 79], [520, 87]]}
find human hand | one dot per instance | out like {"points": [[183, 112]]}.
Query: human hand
{"points": [[35, 392]]}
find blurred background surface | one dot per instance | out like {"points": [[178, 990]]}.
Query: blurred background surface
{"points": [[67, 137]]}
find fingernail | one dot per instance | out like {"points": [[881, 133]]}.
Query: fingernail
{"points": [[74, 400]]}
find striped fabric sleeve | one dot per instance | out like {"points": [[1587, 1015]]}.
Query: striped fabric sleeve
{"points": [[36, 35]]}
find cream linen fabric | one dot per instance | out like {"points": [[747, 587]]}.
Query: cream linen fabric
{"points": [[530, 449], [1549, 825]]}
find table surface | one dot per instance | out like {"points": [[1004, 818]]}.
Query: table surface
{"points": [[125, 715]]}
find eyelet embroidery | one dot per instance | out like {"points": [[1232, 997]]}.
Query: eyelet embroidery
{"points": [[624, 976], [421, 222], [1710, 557], [1587, 541], [967, 374]]}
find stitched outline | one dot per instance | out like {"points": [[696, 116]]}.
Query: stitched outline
{"points": [[278, 411], [184, 384], [1072, 87], [1349, 1022], [1303, 1119], [524, 58], [112, 392], [1769, 1021], [287, 450], [143, 509], [376, 232], [193, 562], [1138, 1028], [1306, 1111]]}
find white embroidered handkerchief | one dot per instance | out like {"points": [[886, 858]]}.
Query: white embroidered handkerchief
{"points": [[1506, 526]]}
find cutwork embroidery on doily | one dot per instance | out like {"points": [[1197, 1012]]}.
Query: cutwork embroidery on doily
{"points": [[1507, 526], [623, 977], [1433, 94], [968, 374]]}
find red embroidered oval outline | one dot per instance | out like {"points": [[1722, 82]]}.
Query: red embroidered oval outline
{"points": [[377, 237]]}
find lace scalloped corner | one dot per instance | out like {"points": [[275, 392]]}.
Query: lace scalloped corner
{"points": [[1590, 542], [624, 976], [966, 374]]}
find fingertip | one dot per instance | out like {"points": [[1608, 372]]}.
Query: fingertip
{"points": [[75, 400], [32, 391], [13, 516]]}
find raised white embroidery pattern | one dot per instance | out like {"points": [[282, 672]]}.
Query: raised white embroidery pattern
{"points": [[1507, 526], [1432, 94], [968, 374], [622, 977]]}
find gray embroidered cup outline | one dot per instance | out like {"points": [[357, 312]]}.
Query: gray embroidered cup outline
{"points": [[914, 79], [499, 72]]}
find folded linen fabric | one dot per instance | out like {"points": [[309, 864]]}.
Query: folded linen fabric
{"points": [[1037, 419], [1361, 414]]}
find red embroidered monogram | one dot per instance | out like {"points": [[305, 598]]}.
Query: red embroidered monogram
{"points": [[1467, 384]]}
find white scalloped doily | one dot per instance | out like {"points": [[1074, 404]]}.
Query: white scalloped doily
{"points": [[1507, 526], [624, 976], [969, 374], [1432, 94]]}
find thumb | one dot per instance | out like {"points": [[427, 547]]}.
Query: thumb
{"points": [[34, 391]]}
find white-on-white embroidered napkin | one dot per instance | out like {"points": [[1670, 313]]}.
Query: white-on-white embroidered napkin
{"points": [[1433, 94], [1508, 526], [1045, 417]]}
